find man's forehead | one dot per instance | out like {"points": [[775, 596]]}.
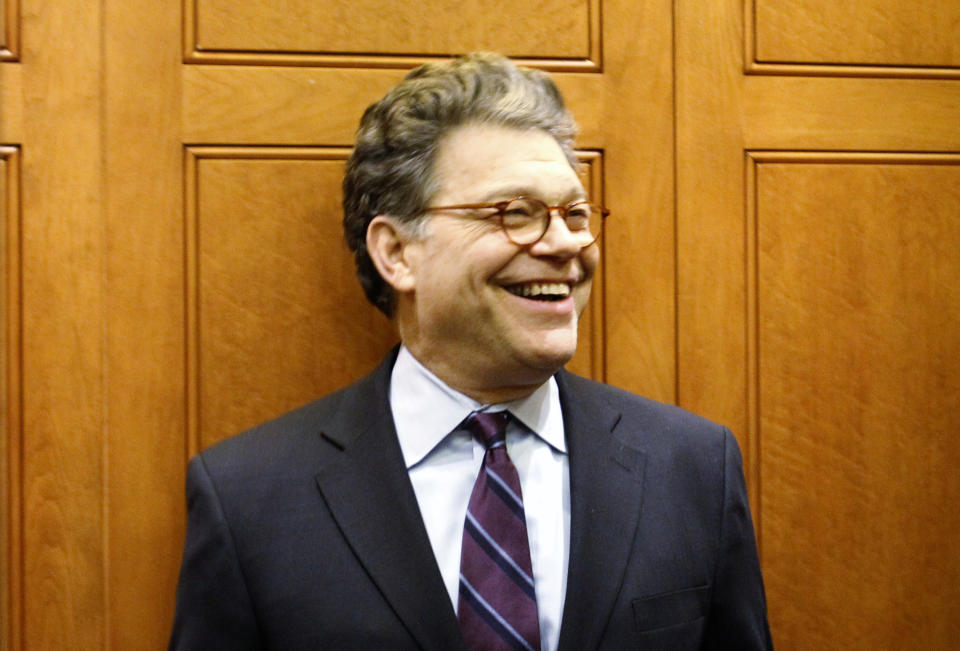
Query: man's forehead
{"points": [[525, 188], [495, 162]]}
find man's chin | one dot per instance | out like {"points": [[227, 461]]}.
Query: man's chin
{"points": [[550, 359]]}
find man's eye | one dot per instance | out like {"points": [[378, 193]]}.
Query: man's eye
{"points": [[578, 217], [518, 210]]}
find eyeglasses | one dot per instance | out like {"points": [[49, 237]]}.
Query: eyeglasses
{"points": [[525, 221]]}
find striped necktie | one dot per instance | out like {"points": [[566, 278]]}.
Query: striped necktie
{"points": [[497, 606]]}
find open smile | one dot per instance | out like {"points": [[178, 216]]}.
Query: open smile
{"points": [[540, 291]]}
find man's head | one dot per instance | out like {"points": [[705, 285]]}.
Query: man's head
{"points": [[491, 313], [391, 170]]}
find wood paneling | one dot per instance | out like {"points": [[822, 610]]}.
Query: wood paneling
{"points": [[590, 359], [795, 113], [857, 312], [868, 32], [267, 257], [278, 316], [295, 106], [10, 409], [5, 434], [562, 33], [11, 103], [9, 29], [141, 217], [841, 393], [63, 319]]}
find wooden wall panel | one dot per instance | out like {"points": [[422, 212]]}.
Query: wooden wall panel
{"points": [[266, 255], [868, 32], [9, 30], [63, 317], [10, 412], [142, 221], [553, 32], [11, 102], [278, 317], [5, 520], [857, 313], [590, 359]]}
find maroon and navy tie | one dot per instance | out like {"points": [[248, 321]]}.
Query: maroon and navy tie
{"points": [[497, 606]]}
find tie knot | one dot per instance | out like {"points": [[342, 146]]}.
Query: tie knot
{"points": [[489, 429]]}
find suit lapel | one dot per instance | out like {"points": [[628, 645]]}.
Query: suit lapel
{"points": [[606, 494], [368, 491]]}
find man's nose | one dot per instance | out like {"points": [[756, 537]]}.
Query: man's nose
{"points": [[557, 240]]}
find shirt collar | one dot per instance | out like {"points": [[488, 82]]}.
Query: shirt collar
{"points": [[425, 410]]}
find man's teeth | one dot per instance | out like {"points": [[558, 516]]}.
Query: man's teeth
{"points": [[532, 290]]}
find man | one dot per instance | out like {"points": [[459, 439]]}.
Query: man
{"points": [[390, 515]]}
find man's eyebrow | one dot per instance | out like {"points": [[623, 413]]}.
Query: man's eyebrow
{"points": [[572, 193]]}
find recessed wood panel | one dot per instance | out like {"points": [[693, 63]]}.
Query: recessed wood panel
{"points": [[373, 34], [870, 32], [9, 30], [9, 390], [277, 316], [858, 385], [4, 427]]}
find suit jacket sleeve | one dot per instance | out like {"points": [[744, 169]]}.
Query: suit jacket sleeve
{"points": [[738, 615], [213, 609]]}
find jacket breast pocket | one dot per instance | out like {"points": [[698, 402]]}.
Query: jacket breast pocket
{"points": [[671, 608]]}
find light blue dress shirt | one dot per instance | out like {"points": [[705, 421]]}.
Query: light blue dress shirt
{"points": [[444, 463]]}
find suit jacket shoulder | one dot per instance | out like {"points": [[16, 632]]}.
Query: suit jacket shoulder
{"points": [[304, 533]]}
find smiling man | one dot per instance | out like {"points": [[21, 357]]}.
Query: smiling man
{"points": [[470, 493]]}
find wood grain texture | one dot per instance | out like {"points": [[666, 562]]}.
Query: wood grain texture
{"points": [[858, 339], [869, 32], [142, 219], [63, 323], [9, 30], [590, 360], [548, 29], [710, 220], [11, 103], [296, 106], [631, 116], [864, 479], [797, 113], [6, 523], [280, 318], [10, 530]]}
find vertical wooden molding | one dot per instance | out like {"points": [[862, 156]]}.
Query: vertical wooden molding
{"points": [[593, 177], [11, 599], [10, 30], [192, 323], [751, 343]]}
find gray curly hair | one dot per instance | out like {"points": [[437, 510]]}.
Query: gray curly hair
{"points": [[391, 168]]}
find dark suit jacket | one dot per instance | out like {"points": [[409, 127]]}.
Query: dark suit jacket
{"points": [[304, 533]]}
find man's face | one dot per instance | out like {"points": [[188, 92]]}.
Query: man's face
{"points": [[468, 320]]}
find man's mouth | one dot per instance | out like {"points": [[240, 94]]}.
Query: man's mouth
{"points": [[541, 291]]}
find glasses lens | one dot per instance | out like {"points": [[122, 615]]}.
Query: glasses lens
{"points": [[584, 221], [527, 220], [523, 219]]}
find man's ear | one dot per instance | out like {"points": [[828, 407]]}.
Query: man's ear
{"points": [[392, 247]]}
